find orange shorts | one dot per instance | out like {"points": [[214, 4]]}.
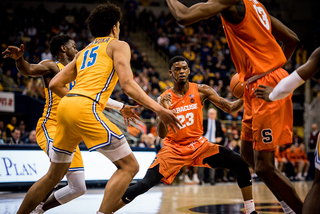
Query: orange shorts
{"points": [[267, 124], [172, 157]]}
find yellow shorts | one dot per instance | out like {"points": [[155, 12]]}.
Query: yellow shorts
{"points": [[80, 118], [45, 132], [267, 124]]}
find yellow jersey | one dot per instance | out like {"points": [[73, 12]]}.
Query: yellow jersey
{"points": [[52, 100], [96, 77]]}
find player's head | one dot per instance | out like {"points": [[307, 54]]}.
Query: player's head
{"points": [[179, 69], [104, 20], [63, 44]]}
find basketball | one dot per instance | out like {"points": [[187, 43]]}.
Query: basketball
{"points": [[237, 87]]}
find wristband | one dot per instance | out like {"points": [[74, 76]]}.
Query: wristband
{"points": [[286, 86], [114, 104]]}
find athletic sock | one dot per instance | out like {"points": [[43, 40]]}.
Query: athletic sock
{"points": [[99, 212], [286, 208], [249, 206]]}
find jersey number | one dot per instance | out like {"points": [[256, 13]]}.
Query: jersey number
{"points": [[262, 16], [267, 135], [188, 116], [92, 56]]}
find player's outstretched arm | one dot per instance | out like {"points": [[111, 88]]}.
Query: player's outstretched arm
{"points": [[164, 101], [287, 85], [189, 15], [24, 67], [120, 53], [289, 39], [66, 75], [206, 92], [127, 111]]}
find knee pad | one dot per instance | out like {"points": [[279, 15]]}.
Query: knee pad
{"points": [[76, 187]]}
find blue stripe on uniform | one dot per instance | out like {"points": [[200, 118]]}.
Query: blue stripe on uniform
{"points": [[43, 125], [76, 169], [94, 106], [105, 86], [61, 151]]}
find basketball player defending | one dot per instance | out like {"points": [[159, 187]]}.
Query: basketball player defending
{"points": [[96, 70], [284, 88], [252, 36], [187, 146], [63, 47]]}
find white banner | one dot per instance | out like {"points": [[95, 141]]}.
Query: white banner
{"points": [[31, 165], [7, 101]]}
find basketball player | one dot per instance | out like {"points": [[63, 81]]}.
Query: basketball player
{"points": [[187, 146], [63, 47], [252, 36], [283, 89], [96, 69]]}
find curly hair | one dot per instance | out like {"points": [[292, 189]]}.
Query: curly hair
{"points": [[177, 59], [56, 43], [103, 18]]}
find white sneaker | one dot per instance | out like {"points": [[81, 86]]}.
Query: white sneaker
{"points": [[195, 179], [187, 180], [38, 209]]}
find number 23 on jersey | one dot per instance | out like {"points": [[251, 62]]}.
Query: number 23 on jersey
{"points": [[187, 120]]}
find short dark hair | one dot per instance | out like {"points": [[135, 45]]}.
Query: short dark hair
{"points": [[56, 43], [103, 18], [177, 59]]}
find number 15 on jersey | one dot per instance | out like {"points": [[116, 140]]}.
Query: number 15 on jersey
{"points": [[92, 57]]}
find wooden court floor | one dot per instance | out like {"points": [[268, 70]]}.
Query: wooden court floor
{"points": [[223, 198]]}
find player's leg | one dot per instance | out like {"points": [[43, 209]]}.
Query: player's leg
{"points": [[272, 126], [127, 168], [42, 187], [165, 167], [246, 152], [279, 184], [311, 203], [75, 188], [151, 178], [229, 159]]}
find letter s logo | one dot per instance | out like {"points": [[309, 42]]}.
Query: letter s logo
{"points": [[267, 135]]}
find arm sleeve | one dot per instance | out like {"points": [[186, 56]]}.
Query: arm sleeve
{"points": [[286, 86], [114, 104]]}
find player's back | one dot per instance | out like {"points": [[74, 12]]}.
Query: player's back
{"points": [[188, 110], [52, 100], [96, 77], [253, 48]]}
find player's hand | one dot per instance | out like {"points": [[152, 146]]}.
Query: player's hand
{"points": [[263, 92], [165, 101], [14, 52], [128, 113], [168, 118]]}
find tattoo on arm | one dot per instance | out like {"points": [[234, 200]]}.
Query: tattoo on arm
{"points": [[223, 102]]}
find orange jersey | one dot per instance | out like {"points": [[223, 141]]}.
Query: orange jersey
{"points": [[291, 156], [253, 48], [189, 111], [301, 154], [96, 77]]}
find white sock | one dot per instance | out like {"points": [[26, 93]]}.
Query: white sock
{"points": [[305, 174], [286, 208], [249, 206], [99, 212]]}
